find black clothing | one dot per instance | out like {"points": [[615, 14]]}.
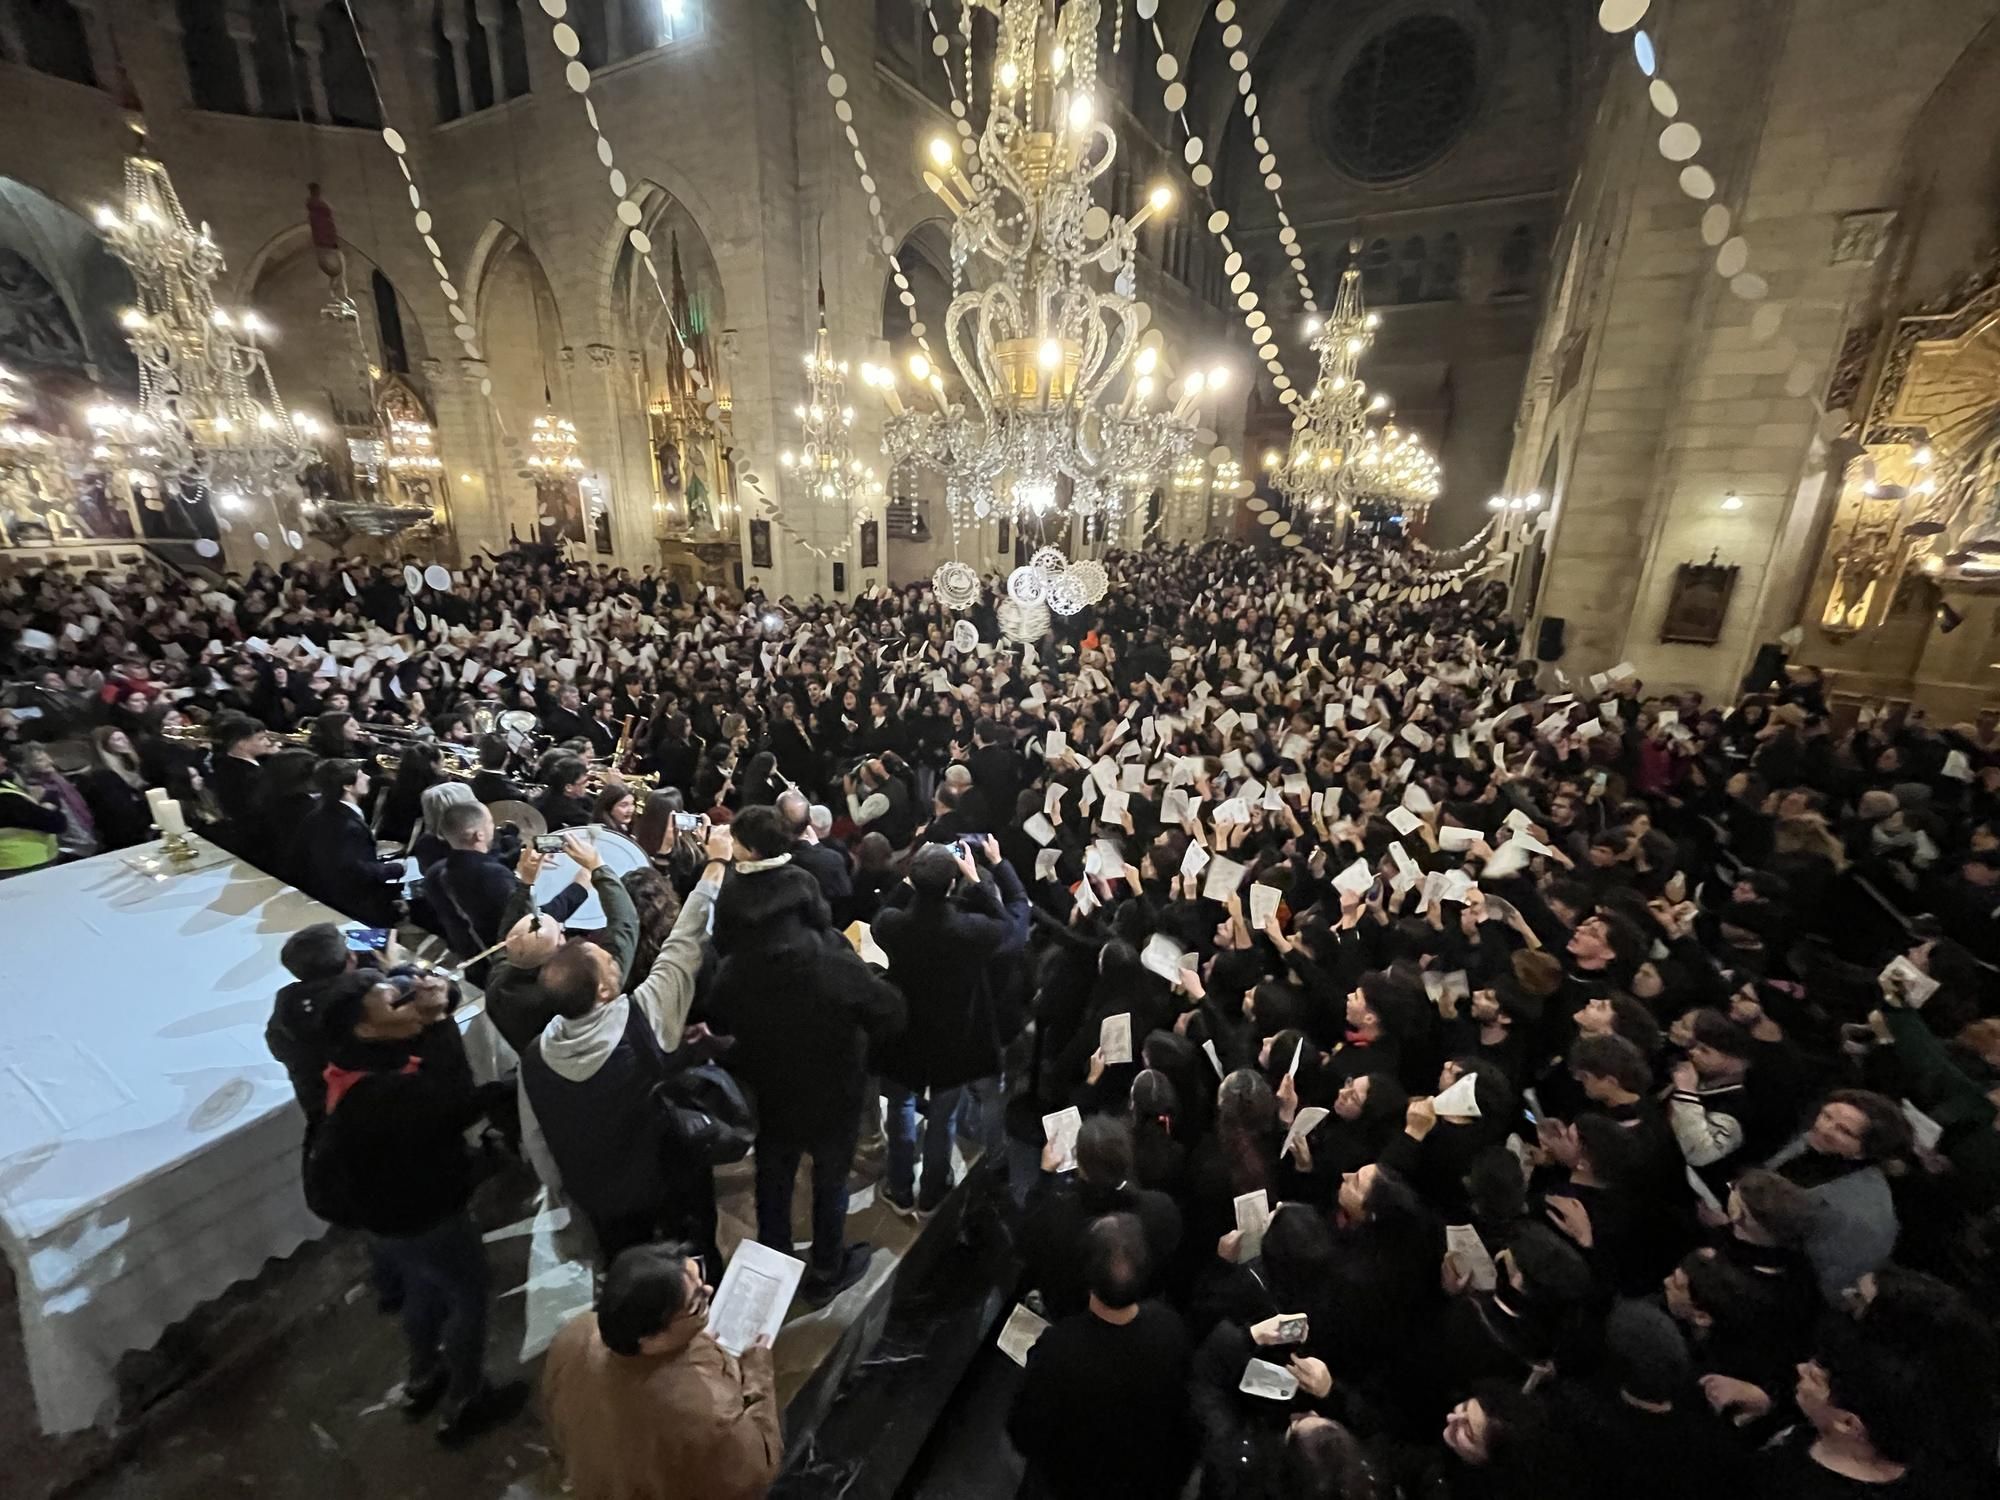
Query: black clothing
{"points": [[333, 857], [496, 786], [1102, 1412], [939, 952], [1060, 1209]]}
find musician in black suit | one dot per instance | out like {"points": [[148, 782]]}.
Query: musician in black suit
{"points": [[334, 851], [565, 720], [491, 783]]}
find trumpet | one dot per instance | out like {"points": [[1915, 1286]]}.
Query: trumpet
{"points": [[203, 734]]}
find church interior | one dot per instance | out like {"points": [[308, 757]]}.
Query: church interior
{"points": [[1679, 319]]}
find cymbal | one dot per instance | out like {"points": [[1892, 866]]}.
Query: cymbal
{"points": [[528, 819]]}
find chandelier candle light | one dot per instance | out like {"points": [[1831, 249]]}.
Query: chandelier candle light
{"points": [[209, 415], [825, 464], [1040, 348]]}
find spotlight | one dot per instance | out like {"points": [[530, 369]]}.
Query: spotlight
{"points": [[1948, 619]]}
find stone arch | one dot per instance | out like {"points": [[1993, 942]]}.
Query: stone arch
{"points": [[925, 256], [320, 361], [60, 290], [513, 306]]}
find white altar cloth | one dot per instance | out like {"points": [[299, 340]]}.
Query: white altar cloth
{"points": [[149, 1143]]}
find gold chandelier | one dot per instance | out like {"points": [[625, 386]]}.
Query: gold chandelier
{"points": [[1040, 347], [552, 448]]}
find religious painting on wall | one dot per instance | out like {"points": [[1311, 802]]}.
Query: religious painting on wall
{"points": [[559, 509], [871, 544], [600, 530], [840, 578], [1006, 534], [1699, 603], [760, 544]]}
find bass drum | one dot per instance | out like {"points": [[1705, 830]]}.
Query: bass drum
{"points": [[621, 857]]}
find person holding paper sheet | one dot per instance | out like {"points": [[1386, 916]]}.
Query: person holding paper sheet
{"points": [[1062, 1205], [801, 1006], [1102, 1411], [962, 914], [643, 1404]]}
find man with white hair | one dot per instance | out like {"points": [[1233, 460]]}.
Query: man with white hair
{"points": [[824, 862]]}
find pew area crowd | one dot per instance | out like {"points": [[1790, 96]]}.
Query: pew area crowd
{"points": [[1401, 1068]]}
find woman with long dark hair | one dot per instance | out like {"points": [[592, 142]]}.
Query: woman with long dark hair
{"points": [[403, 803], [115, 788]]}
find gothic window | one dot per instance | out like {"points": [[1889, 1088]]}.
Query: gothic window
{"points": [[1410, 272], [469, 58], [1404, 101], [1447, 267], [1378, 271], [1517, 263], [48, 36], [389, 324]]}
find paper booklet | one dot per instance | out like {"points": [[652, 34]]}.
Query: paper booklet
{"points": [[1460, 1101], [1114, 1038], [1303, 1124], [862, 940], [1914, 984], [1022, 1332], [1253, 1216], [1040, 829], [1163, 956], [1264, 900], [756, 1289], [1464, 1246], [1272, 1382], [1061, 1129], [1224, 876]]}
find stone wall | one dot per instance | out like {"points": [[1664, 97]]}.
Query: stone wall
{"points": [[1657, 388], [733, 120]]}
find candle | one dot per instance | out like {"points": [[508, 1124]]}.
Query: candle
{"points": [[167, 815]]}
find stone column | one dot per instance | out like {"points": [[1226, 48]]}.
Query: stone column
{"points": [[488, 12], [97, 35], [456, 33], [242, 31], [311, 45]]}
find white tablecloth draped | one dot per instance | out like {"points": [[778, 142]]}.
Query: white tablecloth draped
{"points": [[149, 1143]]}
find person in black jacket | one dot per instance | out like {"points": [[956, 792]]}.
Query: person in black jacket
{"points": [[322, 967], [826, 863], [469, 887], [491, 783], [399, 1098], [1062, 1206], [1103, 1409], [940, 945], [240, 743], [801, 1006], [334, 853]]}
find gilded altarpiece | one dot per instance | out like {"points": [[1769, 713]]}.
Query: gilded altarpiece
{"points": [[1914, 541]]}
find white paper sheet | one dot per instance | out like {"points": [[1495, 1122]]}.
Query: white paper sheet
{"points": [[1224, 876], [755, 1292], [1264, 901], [1114, 1038], [1463, 1244], [1061, 1130], [1269, 1381], [1022, 1332], [1303, 1124], [1253, 1216]]}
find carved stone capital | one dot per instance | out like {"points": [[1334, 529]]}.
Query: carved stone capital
{"points": [[474, 370], [566, 356], [599, 355]]}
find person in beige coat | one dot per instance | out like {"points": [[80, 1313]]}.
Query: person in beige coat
{"points": [[645, 1405]]}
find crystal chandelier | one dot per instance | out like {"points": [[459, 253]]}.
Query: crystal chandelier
{"points": [[1331, 424], [209, 415], [1038, 350], [825, 464], [552, 448], [1393, 465], [412, 448]]}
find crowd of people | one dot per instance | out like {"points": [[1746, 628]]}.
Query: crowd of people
{"points": [[1403, 1068]]}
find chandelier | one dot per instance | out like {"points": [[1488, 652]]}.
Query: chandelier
{"points": [[1393, 465], [209, 416], [1039, 348], [825, 463], [1331, 424], [552, 448], [413, 448]]}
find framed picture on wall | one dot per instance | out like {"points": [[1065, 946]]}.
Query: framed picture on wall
{"points": [[1006, 534], [1699, 603], [871, 544], [760, 544], [840, 578]]}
